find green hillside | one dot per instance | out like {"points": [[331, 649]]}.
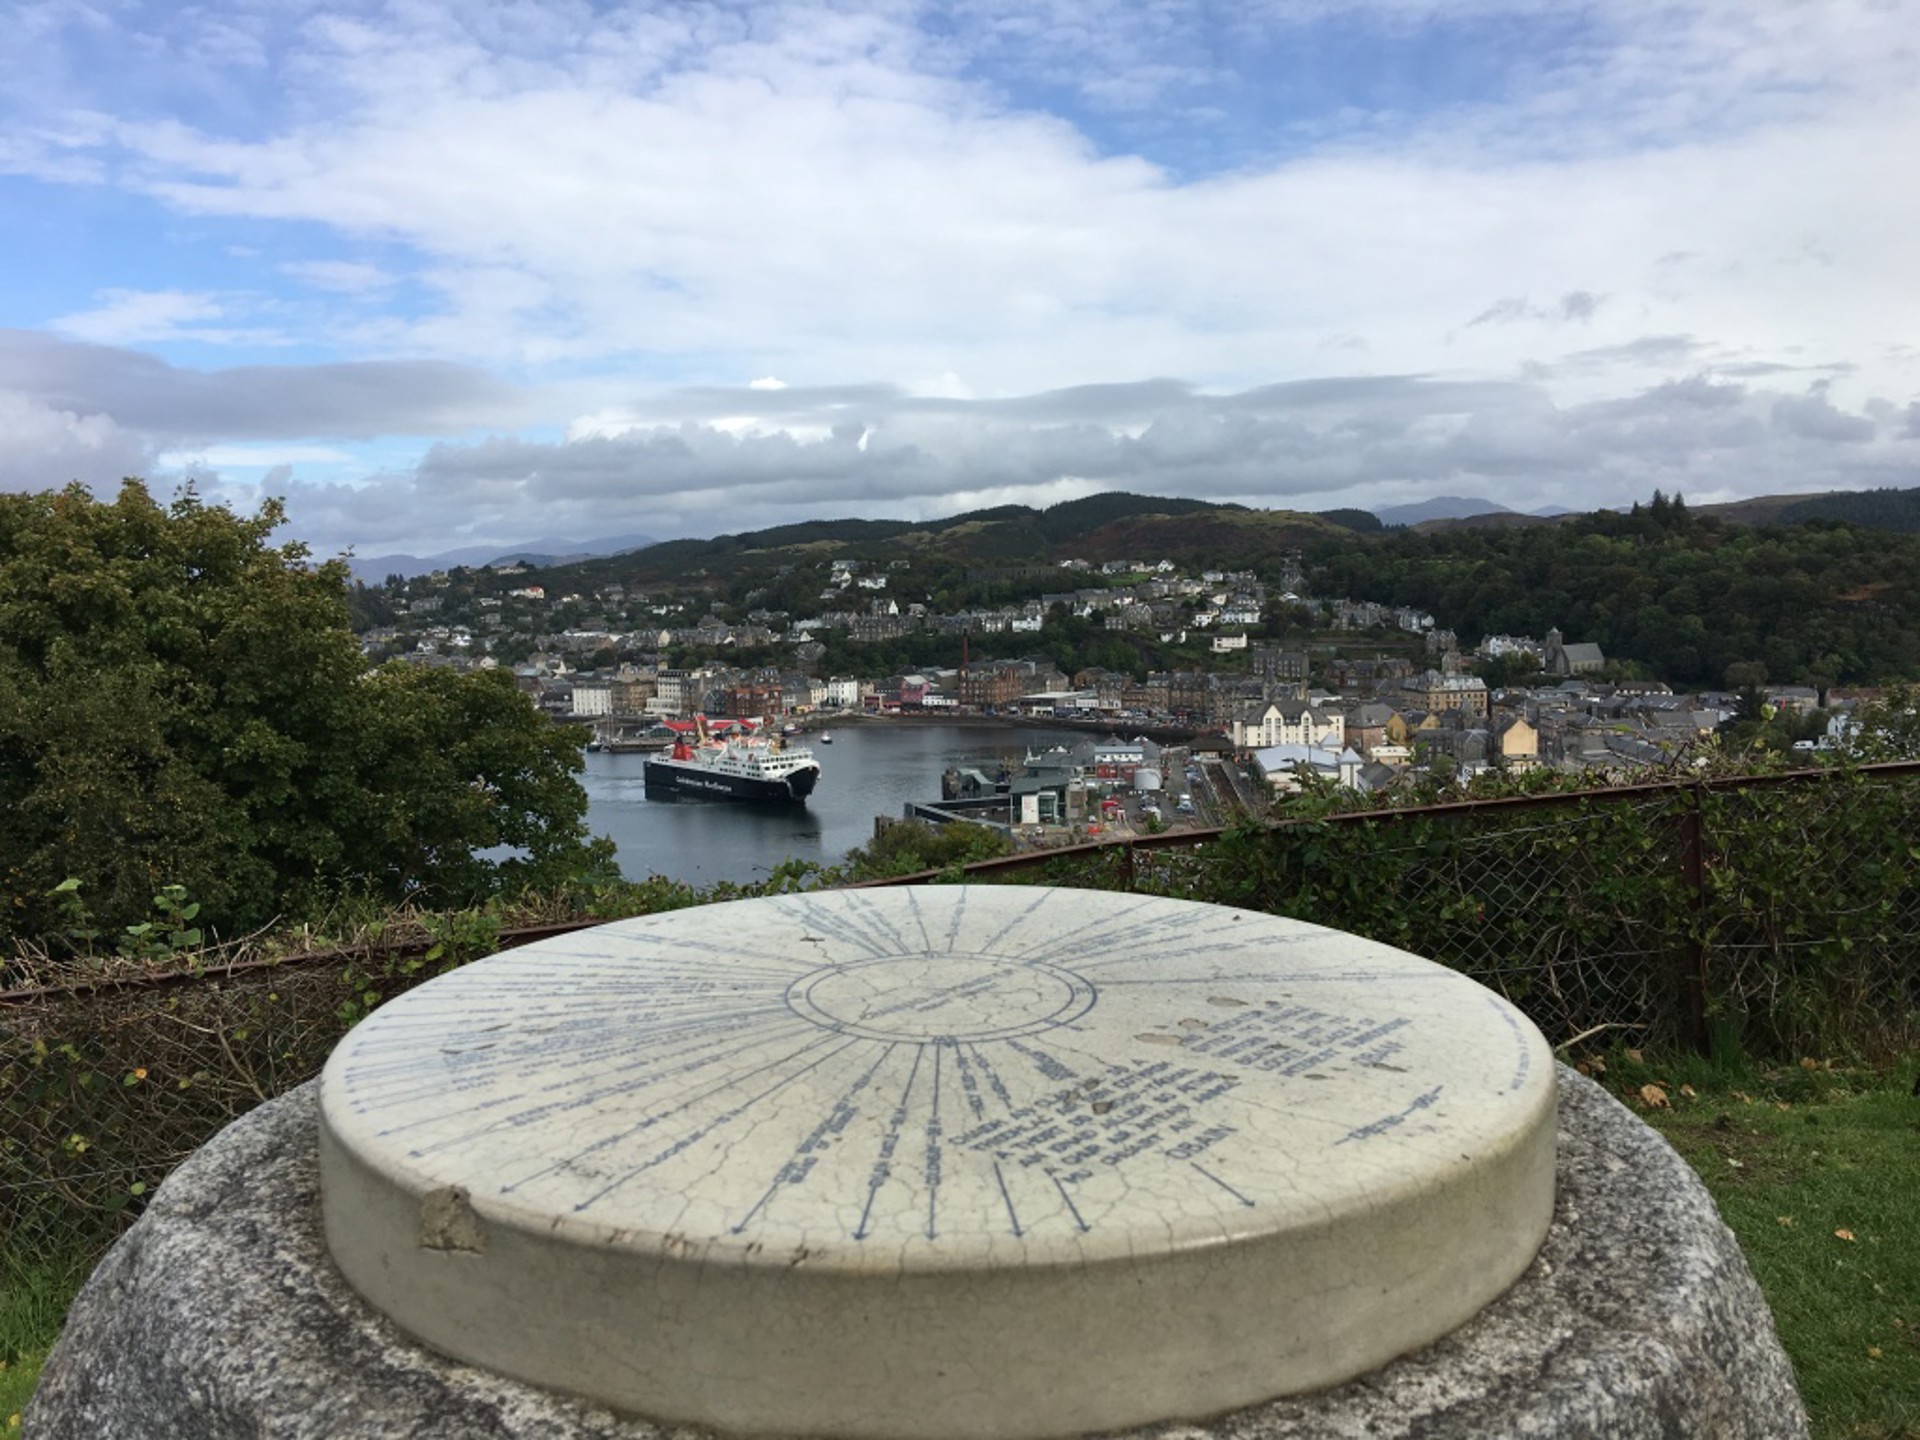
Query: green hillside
{"points": [[1107, 526], [1682, 593], [1879, 509], [1685, 596]]}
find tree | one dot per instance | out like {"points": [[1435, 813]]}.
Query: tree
{"points": [[1510, 669], [450, 766], [910, 846], [1888, 728], [182, 702]]}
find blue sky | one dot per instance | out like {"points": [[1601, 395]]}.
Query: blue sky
{"points": [[444, 273]]}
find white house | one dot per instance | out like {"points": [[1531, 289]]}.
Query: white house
{"points": [[590, 700], [1280, 765], [1288, 722]]}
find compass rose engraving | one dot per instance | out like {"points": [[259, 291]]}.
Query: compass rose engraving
{"points": [[930, 1107], [932, 997]]}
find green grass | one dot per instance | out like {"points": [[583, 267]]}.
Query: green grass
{"points": [[33, 1300], [17, 1379], [1816, 1169], [1794, 1157]]}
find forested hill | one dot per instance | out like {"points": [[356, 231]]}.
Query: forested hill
{"points": [[1115, 526], [1881, 509], [1686, 596], [1682, 593]]}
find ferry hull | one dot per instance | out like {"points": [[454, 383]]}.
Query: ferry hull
{"points": [[669, 777]]}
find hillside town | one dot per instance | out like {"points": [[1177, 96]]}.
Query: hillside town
{"points": [[1284, 683]]}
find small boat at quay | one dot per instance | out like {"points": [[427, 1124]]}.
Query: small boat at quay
{"points": [[737, 766]]}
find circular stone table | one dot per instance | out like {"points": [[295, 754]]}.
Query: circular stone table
{"points": [[946, 1162]]}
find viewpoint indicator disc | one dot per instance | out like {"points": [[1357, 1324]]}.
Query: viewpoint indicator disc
{"points": [[1024, 1094]]}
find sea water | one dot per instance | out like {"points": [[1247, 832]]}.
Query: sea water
{"points": [[871, 768]]}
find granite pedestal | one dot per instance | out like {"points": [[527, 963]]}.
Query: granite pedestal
{"points": [[1122, 1160]]}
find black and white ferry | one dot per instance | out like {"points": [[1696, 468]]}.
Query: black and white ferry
{"points": [[734, 768]]}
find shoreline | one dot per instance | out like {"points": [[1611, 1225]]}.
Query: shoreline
{"points": [[1161, 734], [880, 764]]}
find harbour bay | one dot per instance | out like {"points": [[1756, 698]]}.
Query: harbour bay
{"points": [[871, 768]]}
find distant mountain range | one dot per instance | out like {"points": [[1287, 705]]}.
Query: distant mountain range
{"points": [[1885, 509], [1109, 526], [372, 569], [1459, 507]]}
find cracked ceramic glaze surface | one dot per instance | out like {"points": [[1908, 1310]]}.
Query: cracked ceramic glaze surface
{"points": [[907, 1139]]}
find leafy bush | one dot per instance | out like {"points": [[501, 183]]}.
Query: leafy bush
{"points": [[183, 703], [912, 846]]}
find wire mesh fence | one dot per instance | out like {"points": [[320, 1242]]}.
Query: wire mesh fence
{"points": [[108, 1080], [1776, 914], [104, 1091], [1781, 915], [1553, 907], [1812, 912]]}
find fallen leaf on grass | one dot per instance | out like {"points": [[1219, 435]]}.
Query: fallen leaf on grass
{"points": [[1635, 1056], [1689, 1092], [1653, 1097], [1786, 1220], [1846, 1235], [1873, 1352]]}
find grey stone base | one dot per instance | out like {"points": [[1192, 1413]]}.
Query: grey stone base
{"points": [[220, 1317]]}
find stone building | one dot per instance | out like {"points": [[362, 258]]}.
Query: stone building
{"points": [[1559, 658], [1434, 692]]}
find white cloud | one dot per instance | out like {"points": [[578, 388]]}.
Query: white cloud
{"points": [[1813, 417], [345, 277], [1556, 265], [43, 447], [129, 316], [257, 457], [802, 204], [1315, 446], [164, 402]]}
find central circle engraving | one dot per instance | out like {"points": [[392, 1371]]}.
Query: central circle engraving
{"points": [[917, 999]]}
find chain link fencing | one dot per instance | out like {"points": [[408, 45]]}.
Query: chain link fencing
{"points": [[113, 1071], [1778, 916]]}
